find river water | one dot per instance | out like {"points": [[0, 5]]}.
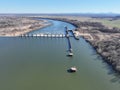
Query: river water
{"points": [[42, 64]]}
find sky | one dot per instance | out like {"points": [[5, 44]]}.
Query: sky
{"points": [[60, 6]]}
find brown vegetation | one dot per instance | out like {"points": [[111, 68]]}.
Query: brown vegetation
{"points": [[15, 26], [105, 40], [110, 50]]}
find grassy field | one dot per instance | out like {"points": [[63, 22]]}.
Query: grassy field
{"points": [[108, 22]]}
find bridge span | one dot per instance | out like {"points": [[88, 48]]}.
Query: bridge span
{"points": [[44, 35]]}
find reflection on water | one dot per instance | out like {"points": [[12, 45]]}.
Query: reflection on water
{"points": [[42, 64], [57, 27]]}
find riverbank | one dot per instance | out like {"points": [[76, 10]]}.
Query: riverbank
{"points": [[105, 40], [23, 59], [16, 26]]}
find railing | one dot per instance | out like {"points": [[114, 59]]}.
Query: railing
{"points": [[43, 35]]}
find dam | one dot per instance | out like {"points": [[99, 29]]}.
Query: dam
{"points": [[29, 63]]}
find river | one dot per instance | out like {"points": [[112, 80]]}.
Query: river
{"points": [[42, 64]]}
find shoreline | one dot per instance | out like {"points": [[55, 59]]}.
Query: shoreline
{"points": [[96, 38], [27, 25]]}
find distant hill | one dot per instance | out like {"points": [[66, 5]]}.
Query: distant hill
{"points": [[63, 14]]}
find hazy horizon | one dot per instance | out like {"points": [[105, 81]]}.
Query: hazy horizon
{"points": [[60, 6]]}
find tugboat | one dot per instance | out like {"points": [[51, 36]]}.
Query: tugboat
{"points": [[70, 54], [72, 70]]}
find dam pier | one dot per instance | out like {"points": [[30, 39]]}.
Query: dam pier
{"points": [[68, 34]]}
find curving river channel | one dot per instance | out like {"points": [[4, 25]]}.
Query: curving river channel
{"points": [[41, 64]]}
